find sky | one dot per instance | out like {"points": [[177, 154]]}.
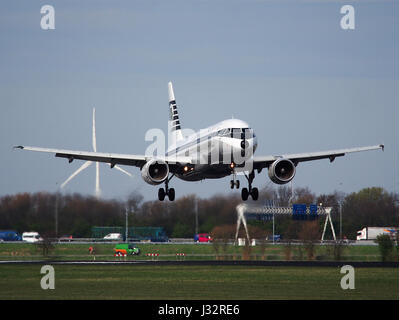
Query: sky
{"points": [[286, 67]]}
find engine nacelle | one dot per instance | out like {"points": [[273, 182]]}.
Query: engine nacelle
{"points": [[282, 171], [155, 171]]}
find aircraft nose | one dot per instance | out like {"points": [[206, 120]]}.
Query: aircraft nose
{"points": [[244, 144], [255, 141], [249, 145]]}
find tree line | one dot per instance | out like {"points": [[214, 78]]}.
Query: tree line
{"points": [[77, 214]]}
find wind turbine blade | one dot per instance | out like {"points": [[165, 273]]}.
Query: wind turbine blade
{"points": [[73, 175], [94, 131], [98, 191], [124, 171]]}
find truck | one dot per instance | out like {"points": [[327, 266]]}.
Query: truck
{"points": [[9, 235], [371, 233], [126, 248], [113, 237], [31, 237], [134, 234]]}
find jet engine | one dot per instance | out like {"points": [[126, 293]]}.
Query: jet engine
{"points": [[282, 171], [155, 171]]}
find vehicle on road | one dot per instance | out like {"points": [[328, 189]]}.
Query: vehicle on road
{"points": [[125, 248], [66, 238], [31, 237], [113, 237], [9, 235], [202, 237], [277, 238], [371, 233]]}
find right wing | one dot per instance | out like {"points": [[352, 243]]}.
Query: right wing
{"points": [[111, 158], [266, 161]]}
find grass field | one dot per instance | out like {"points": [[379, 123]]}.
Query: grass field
{"points": [[196, 282], [192, 251]]}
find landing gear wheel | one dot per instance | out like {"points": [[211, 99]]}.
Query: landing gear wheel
{"points": [[171, 194], [244, 194], [255, 194], [235, 183], [161, 194]]}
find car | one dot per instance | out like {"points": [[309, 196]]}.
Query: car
{"points": [[277, 238], [66, 238], [113, 236], [202, 237]]}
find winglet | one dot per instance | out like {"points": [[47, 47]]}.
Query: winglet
{"points": [[382, 147], [18, 147]]}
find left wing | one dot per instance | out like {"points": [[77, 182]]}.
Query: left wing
{"points": [[111, 158], [265, 161]]}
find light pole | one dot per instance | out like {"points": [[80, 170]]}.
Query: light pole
{"points": [[273, 227], [57, 197], [126, 225], [196, 215], [56, 214], [292, 194], [340, 220], [340, 216]]}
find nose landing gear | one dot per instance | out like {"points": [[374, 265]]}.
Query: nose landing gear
{"points": [[235, 183]]}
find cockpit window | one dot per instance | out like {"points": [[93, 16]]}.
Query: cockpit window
{"points": [[237, 133], [224, 133], [242, 133]]}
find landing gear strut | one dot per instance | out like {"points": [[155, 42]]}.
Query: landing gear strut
{"points": [[166, 192], [254, 192], [234, 182]]}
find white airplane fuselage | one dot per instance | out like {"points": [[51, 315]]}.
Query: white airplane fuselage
{"points": [[216, 150]]}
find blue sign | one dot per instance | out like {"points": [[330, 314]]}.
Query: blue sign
{"points": [[299, 212], [299, 209]]}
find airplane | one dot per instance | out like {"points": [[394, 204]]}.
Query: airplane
{"points": [[224, 149]]}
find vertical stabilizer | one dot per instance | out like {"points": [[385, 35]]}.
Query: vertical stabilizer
{"points": [[175, 133]]}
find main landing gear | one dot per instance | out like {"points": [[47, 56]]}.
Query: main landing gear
{"points": [[245, 193], [166, 192]]}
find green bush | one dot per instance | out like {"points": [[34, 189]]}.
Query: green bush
{"points": [[385, 244]]}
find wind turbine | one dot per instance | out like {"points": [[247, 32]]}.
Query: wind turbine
{"points": [[88, 163]]}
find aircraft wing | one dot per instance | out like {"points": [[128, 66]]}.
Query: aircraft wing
{"points": [[265, 161], [112, 158]]}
